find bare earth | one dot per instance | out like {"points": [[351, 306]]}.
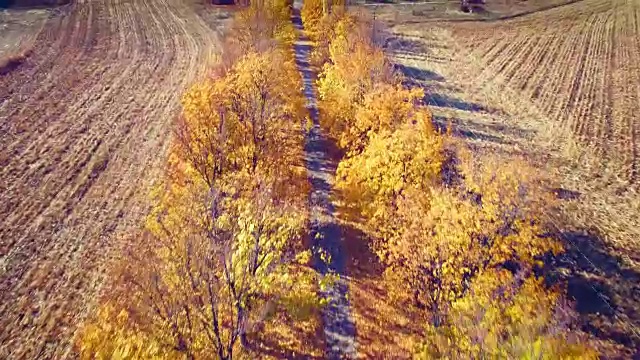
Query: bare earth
{"points": [[559, 87], [19, 28], [84, 124]]}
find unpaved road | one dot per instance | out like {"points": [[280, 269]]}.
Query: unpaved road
{"points": [[83, 127], [338, 326]]}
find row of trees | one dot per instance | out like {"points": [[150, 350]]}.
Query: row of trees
{"points": [[461, 237], [222, 247]]}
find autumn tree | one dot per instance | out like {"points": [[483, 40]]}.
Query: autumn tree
{"points": [[356, 68], [246, 122], [261, 26], [393, 162], [451, 251], [207, 269], [314, 11], [442, 239], [507, 316], [312, 14], [222, 246], [443, 244]]}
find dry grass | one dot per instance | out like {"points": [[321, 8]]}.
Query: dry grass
{"points": [[82, 123], [559, 88]]}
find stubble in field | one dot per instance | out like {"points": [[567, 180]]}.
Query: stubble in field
{"points": [[84, 122]]}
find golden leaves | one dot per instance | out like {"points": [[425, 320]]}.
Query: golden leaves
{"points": [[356, 69], [223, 240], [109, 336], [505, 316], [246, 122], [391, 164], [446, 249]]}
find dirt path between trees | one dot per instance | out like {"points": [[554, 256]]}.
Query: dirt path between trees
{"points": [[338, 325]]}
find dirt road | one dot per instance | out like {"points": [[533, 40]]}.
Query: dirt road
{"points": [[338, 326], [83, 126]]}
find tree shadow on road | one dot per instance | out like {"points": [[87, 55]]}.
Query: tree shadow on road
{"points": [[384, 326], [288, 339]]}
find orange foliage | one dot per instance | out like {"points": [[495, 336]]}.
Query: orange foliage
{"points": [[222, 248], [506, 317], [439, 243]]}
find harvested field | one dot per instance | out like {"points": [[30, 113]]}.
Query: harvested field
{"points": [[578, 65], [558, 87], [408, 12], [84, 122]]}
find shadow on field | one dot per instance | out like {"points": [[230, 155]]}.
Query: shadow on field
{"points": [[415, 75], [495, 133], [606, 293], [431, 82], [442, 100], [404, 45]]}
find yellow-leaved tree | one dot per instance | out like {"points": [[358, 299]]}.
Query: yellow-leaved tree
{"points": [[356, 68], [392, 163], [246, 123], [383, 109], [222, 247], [506, 316], [263, 25], [438, 241], [210, 267], [450, 249], [312, 15]]}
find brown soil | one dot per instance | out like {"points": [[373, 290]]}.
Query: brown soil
{"points": [[84, 123]]}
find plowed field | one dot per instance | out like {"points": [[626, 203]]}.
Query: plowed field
{"points": [[84, 122], [579, 65]]}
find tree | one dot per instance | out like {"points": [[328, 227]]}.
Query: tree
{"points": [[439, 240], [245, 123], [356, 68], [507, 316], [222, 243], [261, 26], [391, 164], [312, 13], [449, 249], [383, 109], [207, 269]]}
